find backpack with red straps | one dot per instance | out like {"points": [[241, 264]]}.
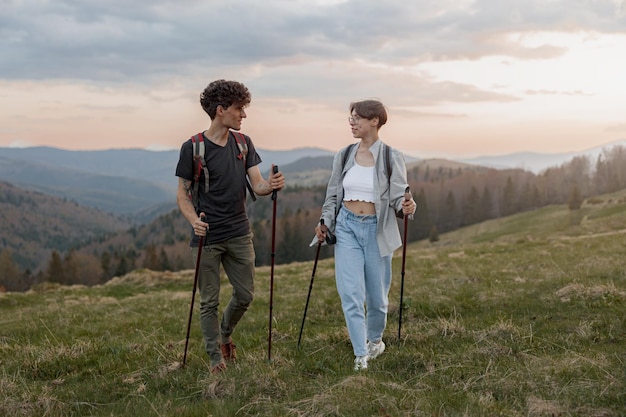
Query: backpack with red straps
{"points": [[199, 164]]}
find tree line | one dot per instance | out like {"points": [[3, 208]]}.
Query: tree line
{"points": [[450, 198], [447, 199]]}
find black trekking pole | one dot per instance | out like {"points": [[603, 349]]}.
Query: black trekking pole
{"points": [[306, 307], [193, 293], [269, 337], [407, 196]]}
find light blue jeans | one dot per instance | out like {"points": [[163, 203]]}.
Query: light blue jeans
{"points": [[363, 279]]}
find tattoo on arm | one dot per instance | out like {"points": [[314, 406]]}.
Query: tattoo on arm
{"points": [[187, 186], [263, 188]]}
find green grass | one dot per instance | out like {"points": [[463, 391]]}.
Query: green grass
{"points": [[522, 316]]}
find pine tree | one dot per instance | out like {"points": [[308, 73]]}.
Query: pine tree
{"points": [[486, 205], [471, 208], [262, 238], [433, 235], [55, 272], [123, 266], [165, 261], [285, 249], [107, 266], [575, 200], [419, 227], [70, 269], [508, 198], [449, 218], [536, 197], [10, 275], [151, 260]]}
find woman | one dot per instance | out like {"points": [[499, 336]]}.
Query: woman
{"points": [[361, 206]]}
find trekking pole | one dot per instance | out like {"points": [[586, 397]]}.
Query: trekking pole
{"points": [[269, 337], [306, 307], [193, 293], [407, 197]]}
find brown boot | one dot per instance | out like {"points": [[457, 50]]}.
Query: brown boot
{"points": [[229, 351], [219, 368]]}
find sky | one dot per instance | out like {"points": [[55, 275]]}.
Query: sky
{"points": [[460, 78]]}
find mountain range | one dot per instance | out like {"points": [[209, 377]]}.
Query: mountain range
{"points": [[53, 199], [141, 184], [537, 162]]}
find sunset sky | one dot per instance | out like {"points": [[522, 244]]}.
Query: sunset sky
{"points": [[459, 77]]}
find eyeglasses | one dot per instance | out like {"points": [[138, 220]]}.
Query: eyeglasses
{"points": [[354, 119]]}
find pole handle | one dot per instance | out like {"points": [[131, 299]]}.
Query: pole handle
{"points": [[274, 171], [407, 197]]}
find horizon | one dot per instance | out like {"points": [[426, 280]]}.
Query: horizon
{"points": [[618, 142], [475, 77]]}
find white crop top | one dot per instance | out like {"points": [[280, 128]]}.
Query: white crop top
{"points": [[358, 184]]}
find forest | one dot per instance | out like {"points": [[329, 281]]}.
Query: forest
{"points": [[448, 196]]}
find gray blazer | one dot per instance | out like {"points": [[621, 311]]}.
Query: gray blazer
{"points": [[388, 197]]}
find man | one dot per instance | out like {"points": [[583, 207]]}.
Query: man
{"points": [[220, 213]]}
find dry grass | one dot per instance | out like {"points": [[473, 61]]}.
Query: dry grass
{"points": [[525, 316]]}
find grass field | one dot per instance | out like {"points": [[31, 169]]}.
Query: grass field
{"points": [[521, 316]]}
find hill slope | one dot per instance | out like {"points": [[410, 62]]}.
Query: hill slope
{"points": [[33, 224], [116, 194], [521, 316]]}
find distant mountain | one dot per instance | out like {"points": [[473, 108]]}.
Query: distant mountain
{"points": [[309, 163], [316, 170], [131, 182], [308, 171], [304, 158], [116, 194], [141, 184], [140, 164], [537, 162], [32, 224], [282, 158]]}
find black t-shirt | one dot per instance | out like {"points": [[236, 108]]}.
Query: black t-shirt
{"points": [[225, 203]]}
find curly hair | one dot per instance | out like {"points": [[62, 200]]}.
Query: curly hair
{"points": [[224, 93], [370, 109]]}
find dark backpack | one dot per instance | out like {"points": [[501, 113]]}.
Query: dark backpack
{"points": [[199, 162]]}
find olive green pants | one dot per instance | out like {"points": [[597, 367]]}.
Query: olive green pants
{"points": [[236, 255]]}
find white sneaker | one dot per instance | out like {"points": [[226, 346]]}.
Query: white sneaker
{"points": [[375, 349], [360, 362]]}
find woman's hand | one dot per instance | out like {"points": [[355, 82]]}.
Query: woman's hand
{"points": [[320, 232], [409, 207]]}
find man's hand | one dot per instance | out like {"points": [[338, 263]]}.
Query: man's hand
{"points": [[276, 180], [199, 226]]}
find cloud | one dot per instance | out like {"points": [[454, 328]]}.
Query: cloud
{"points": [[339, 82], [117, 66], [555, 92], [143, 41], [413, 114]]}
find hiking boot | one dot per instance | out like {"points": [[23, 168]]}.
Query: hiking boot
{"points": [[229, 351], [375, 349], [219, 368], [360, 363]]}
